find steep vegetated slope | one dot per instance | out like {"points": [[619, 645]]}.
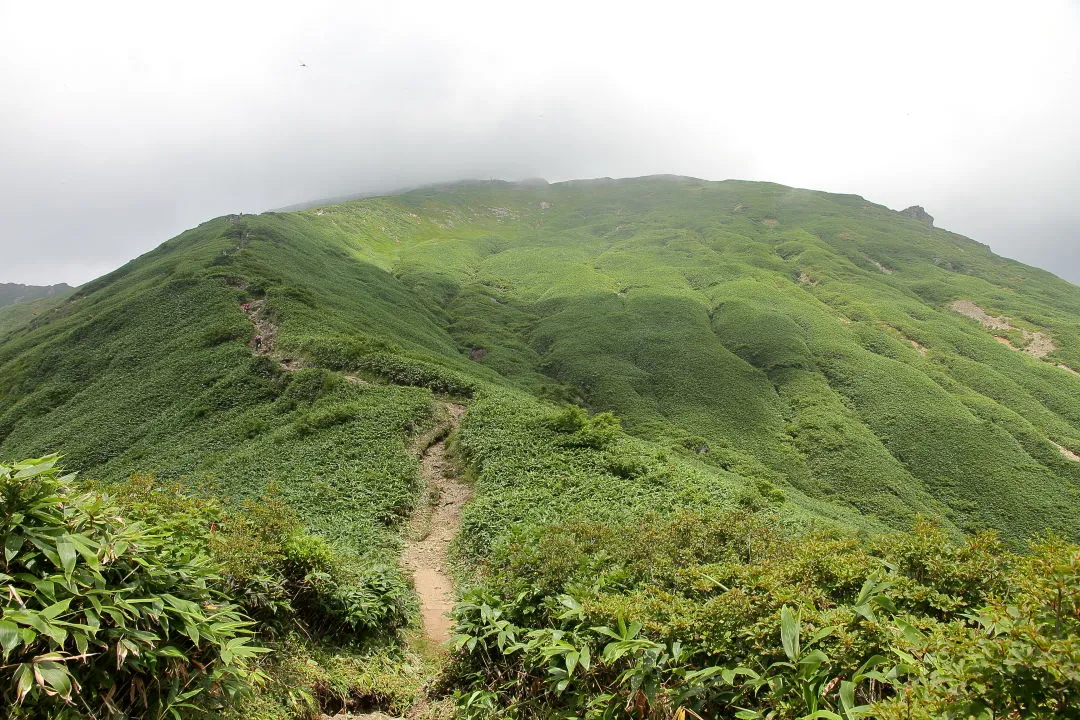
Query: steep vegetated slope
{"points": [[807, 340], [809, 358]]}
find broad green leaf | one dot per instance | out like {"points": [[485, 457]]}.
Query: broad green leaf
{"points": [[51, 612], [38, 467], [9, 636], [55, 677], [67, 554], [24, 681], [571, 662], [12, 544], [789, 633]]}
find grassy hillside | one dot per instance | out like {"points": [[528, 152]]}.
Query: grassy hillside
{"points": [[816, 360], [792, 337]]}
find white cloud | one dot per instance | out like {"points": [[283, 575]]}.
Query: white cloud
{"points": [[124, 123]]}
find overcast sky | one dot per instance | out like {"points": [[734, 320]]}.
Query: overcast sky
{"points": [[122, 124]]}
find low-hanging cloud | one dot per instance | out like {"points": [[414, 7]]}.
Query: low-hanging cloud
{"points": [[124, 124]]}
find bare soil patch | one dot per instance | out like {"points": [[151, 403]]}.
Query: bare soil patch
{"points": [[973, 311], [770, 222], [265, 337], [882, 268], [1067, 452], [1038, 344], [264, 340]]}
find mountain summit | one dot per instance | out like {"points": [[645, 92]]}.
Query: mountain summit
{"points": [[661, 428], [813, 342]]}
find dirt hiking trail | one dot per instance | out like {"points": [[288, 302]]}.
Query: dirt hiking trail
{"points": [[433, 526], [264, 341]]}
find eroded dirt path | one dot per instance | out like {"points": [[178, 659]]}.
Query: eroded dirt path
{"points": [[432, 527], [264, 340]]}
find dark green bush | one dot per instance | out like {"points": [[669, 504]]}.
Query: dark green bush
{"points": [[106, 618], [732, 616], [281, 575]]}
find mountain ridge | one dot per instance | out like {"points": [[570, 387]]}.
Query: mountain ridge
{"points": [[688, 420], [786, 308], [11, 293]]}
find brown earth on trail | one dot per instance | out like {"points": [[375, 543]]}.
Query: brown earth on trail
{"points": [[266, 335], [434, 525], [1066, 368], [806, 279], [265, 331], [770, 222]]}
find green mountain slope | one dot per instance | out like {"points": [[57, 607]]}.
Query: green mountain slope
{"points": [[758, 335]]}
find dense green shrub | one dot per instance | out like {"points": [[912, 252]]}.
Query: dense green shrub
{"points": [[597, 431], [750, 338], [1017, 656], [732, 615], [367, 354], [106, 618], [283, 576]]}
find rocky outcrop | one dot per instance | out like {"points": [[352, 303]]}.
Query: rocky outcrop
{"points": [[917, 212]]}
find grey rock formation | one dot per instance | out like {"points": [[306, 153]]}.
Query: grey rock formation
{"points": [[918, 213]]}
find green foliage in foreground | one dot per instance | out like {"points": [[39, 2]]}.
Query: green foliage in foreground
{"points": [[153, 602], [729, 617], [282, 576], [108, 619]]}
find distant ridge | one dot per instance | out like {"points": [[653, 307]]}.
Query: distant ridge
{"points": [[449, 185], [11, 293]]}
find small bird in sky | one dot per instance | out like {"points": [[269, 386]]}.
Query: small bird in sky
{"points": [[303, 64]]}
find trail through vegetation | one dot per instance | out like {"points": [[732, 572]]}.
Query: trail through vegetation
{"points": [[694, 411], [434, 525], [264, 341]]}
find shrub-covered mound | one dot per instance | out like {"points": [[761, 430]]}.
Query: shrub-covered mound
{"points": [[729, 616], [151, 602], [106, 618]]}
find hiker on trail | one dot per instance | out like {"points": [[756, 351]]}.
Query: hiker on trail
{"points": [[258, 342], [246, 306]]}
